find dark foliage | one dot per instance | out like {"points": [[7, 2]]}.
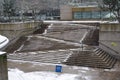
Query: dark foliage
{"points": [[113, 6], [9, 8]]}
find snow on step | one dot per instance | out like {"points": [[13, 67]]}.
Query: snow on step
{"points": [[41, 56]]}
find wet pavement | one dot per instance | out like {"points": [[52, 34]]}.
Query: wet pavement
{"points": [[40, 43], [84, 73]]}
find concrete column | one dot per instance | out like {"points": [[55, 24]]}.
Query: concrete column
{"points": [[66, 12], [3, 66]]}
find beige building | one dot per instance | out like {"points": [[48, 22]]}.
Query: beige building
{"points": [[90, 12], [66, 12]]}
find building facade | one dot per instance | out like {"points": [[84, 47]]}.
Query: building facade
{"points": [[70, 12]]}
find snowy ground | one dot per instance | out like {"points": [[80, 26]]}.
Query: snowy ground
{"points": [[24, 70], [16, 74], [90, 21]]}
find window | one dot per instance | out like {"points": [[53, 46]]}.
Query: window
{"points": [[86, 15], [77, 15], [90, 15], [82, 15], [96, 15], [104, 14]]}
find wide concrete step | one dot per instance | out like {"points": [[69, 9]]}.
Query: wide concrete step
{"points": [[107, 58], [98, 59], [88, 65], [41, 56]]}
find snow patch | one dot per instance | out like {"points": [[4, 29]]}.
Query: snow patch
{"points": [[3, 41], [46, 30], [15, 74], [1, 53]]}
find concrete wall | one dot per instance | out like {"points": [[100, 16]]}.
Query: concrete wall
{"points": [[3, 67], [109, 32], [109, 38], [85, 8], [14, 31], [65, 12], [110, 27]]}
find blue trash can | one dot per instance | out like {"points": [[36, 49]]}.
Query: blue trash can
{"points": [[58, 68]]}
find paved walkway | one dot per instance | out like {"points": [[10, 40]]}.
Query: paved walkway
{"points": [[58, 40]]}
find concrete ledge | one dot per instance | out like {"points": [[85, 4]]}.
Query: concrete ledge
{"points": [[13, 31], [112, 51], [3, 66], [110, 27]]}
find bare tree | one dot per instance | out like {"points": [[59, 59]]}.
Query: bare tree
{"points": [[113, 6], [9, 8]]}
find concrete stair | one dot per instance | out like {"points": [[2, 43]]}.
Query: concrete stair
{"points": [[105, 57], [41, 56], [97, 59]]}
